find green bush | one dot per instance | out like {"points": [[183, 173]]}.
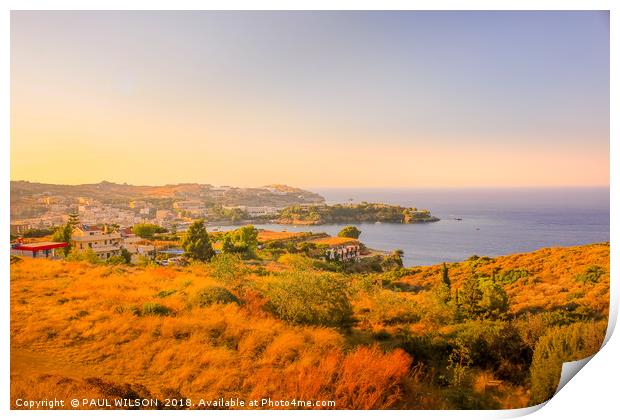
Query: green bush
{"points": [[591, 275], [155, 309], [310, 298], [494, 300], [497, 346], [228, 267], [165, 293], [87, 255], [116, 260], [212, 295], [511, 276], [559, 345]]}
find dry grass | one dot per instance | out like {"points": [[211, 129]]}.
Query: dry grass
{"points": [[550, 282], [76, 330], [335, 241], [71, 322], [271, 235]]}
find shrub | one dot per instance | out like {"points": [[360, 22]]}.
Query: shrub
{"points": [[155, 309], [591, 275], [561, 344], [87, 255], [165, 293], [116, 260], [310, 298], [511, 276], [494, 300], [495, 345], [212, 295], [365, 378], [227, 267]]}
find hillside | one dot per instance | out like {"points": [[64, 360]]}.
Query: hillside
{"points": [[543, 280], [286, 329], [26, 196], [354, 213]]}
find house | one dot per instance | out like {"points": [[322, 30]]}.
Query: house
{"points": [[103, 243]]}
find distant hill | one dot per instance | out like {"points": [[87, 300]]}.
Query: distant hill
{"points": [[24, 193]]}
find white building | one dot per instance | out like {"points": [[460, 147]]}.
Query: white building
{"points": [[103, 244]]}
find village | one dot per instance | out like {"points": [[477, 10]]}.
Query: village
{"points": [[148, 242]]}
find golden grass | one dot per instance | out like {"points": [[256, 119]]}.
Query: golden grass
{"points": [[75, 332], [550, 284], [335, 241], [271, 235], [71, 322]]}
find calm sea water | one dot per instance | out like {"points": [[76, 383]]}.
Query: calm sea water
{"points": [[494, 221]]}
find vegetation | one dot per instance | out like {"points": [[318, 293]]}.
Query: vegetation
{"points": [[303, 298], [562, 344], [212, 295], [196, 242], [350, 232], [242, 241], [38, 233], [147, 230], [591, 275], [298, 327], [63, 234], [354, 213]]}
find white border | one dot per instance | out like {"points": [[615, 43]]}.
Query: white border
{"points": [[593, 395]]}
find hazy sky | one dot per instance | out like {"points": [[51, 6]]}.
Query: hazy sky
{"points": [[399, 99]]}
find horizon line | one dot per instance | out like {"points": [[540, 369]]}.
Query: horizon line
{"points": [[391, 187]]}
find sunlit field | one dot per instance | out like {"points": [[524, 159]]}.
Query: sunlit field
{"points": [[292, 330]]}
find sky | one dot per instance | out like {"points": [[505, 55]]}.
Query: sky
{"points": [[311, 99]]}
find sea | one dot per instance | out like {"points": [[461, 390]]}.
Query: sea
{"points": [[488, 222]]}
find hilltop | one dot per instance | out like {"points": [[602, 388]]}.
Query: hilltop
{"points": [[109, 192], [289, 329], [31, 199]]}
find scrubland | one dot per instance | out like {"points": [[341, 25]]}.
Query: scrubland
{"points": [[291, 329]]}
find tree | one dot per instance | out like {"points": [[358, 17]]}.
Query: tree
{"points": [[397, 256], [470, 296], [241, 241], [126, 255], [443, 290], [227, 245], [350, 232], [63, 234], [196, 242], [147, 230], [494, 300], [74, 219], [445, 278]]}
